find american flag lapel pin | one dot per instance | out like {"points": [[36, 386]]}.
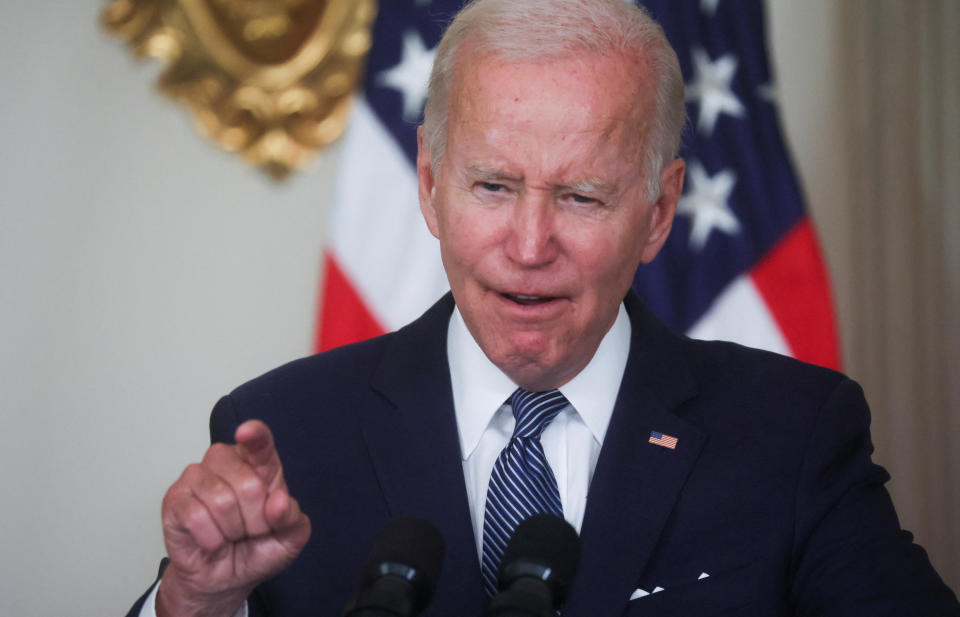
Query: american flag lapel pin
{"points": [[665, 441]]}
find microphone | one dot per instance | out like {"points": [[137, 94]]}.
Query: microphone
{"points": [[537, 569], [401, 575]]}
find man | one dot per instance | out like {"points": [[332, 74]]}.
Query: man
{"points": [[721, 480]]}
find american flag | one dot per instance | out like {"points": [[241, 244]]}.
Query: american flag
{"points": [[660, 439], [742, 262]]}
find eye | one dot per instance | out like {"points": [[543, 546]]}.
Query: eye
{"points": [[582, 199], [492, 187]]}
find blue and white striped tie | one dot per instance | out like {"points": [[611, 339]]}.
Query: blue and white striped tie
{"points": [[521, 483]]}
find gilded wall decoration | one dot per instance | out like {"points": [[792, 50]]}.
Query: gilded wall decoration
{"points": [[268, 79]]}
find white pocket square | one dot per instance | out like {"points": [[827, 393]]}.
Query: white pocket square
{"points": [[642, 593]]}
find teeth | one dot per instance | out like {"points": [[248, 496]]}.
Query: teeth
{"points": [[526, 297]]}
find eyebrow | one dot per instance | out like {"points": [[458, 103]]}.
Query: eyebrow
{"points": [[490, 173], [588, 185]]}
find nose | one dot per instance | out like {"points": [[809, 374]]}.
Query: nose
{"points": [[532, 242]]}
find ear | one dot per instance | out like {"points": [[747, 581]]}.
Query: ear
{"points": [[426, 184], [663, 210]]}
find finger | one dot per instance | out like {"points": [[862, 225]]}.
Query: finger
{"points": [[279, 549], [249, 490], [223, 504], [295, 537], [187, 522], [255, 445], [282, 511], [291, 527]]}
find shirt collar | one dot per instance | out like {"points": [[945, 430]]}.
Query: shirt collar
{"points": [[480, 388]]}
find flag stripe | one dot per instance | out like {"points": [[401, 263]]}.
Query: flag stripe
{"points": [[793, 281], [345, 317], [376, 231], [739, 314]]}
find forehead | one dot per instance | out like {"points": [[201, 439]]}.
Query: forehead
{"points": [[605, 100]]}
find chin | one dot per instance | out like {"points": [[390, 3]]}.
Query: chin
{"points": [[531, 367], [528, 348]]}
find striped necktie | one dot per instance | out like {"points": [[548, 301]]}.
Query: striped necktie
{"points": [[521, 483]]}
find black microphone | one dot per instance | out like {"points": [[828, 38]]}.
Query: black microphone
{"points": [[537, 569], [401, 575]]}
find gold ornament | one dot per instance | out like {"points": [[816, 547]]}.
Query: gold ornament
{"points": [[268, 79]]}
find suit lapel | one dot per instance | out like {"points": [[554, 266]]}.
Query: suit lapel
{"points": [[415, 449], [636, 483], [414, 446]]}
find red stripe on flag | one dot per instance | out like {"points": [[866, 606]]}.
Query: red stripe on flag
{"points": [[344, 317], [793, 281]]}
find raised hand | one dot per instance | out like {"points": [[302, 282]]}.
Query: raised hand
{"points": [[228, 524]]}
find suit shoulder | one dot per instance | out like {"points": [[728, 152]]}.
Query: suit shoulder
{"points": [[723, 365], [308, 392], [358, 361], [342, 365]]}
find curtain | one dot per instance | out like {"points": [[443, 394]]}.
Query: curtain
{"points": [[900, 253]]}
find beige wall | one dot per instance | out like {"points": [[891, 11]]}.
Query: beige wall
{"points": [[143, 274]]}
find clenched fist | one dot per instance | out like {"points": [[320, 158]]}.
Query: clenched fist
{"points": [[228, 524]]}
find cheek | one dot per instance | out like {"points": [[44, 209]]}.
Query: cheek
{"points": [[461, 249], [454, 234], [608, 259], [470, 233]]}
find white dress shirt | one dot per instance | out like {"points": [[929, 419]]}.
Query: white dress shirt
{"points": [[485, 422], [571, 441]]}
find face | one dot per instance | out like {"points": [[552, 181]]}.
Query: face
{"points": [[540, 207]]}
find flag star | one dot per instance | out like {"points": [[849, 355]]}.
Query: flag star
{"points": [[709, 6], [411, 75], [711, 88], [706, 204]]}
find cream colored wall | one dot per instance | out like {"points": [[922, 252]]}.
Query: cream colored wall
{"points": [[143, 274]]}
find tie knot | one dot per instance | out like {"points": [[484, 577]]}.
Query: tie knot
{"points": [[533, 411]]}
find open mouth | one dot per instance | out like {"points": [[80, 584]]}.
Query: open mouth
{"points": [[527, 300]]}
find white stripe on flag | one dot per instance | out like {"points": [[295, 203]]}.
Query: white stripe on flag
{"points": [[376, 230], [739, 314]]}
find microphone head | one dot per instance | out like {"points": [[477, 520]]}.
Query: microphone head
{"points": [[411, 548], [544, 546]]}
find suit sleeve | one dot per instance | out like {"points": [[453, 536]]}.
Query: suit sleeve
{"points": [[851, 556], [224, 421]]}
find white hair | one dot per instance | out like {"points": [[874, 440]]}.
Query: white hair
{"points": [[540, 30]]}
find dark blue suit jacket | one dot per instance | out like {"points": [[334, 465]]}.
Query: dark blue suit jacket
{"points": [[770, 490]]}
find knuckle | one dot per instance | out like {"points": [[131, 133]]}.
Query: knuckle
{"points": [[170, 508], [251, 488], [221, 499], [195, 518], [180, 490], [169, 500], [218, 451], [191, 474]]}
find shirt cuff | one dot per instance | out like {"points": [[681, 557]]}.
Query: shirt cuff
{"points": [[149, 608]]}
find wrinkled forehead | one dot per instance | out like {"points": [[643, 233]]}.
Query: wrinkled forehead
{"points": [[616, 92]]}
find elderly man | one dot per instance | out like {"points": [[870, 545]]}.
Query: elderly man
{"points": [[704, 478]]}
